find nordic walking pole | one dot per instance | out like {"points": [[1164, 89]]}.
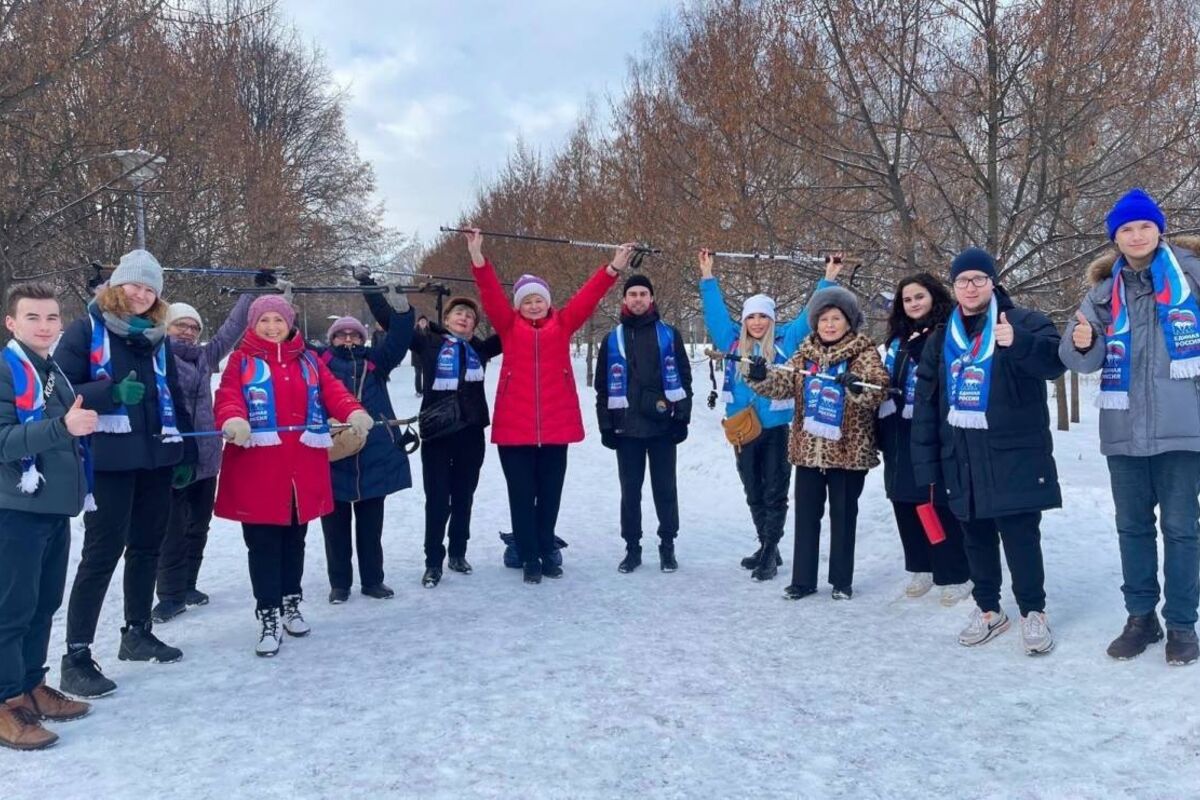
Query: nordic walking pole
{"points": [[714, 354], [388, 423], [553, 240]]}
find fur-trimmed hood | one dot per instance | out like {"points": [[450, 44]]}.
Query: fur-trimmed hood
{"points": [[1100, 269]]}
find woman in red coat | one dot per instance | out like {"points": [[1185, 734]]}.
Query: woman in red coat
{"points": [[272, 481], [537, 409]]}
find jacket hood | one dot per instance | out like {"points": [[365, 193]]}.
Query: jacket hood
{"points": [[1100, 269]]}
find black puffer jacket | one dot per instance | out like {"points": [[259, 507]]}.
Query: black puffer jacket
{"points": [[649, 415], [472, 400]]}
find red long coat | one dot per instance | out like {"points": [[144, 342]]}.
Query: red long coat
{"points": [[536, 401], [258, 484]]}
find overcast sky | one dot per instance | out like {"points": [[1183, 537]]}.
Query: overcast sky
{"points": [[440, 91]]}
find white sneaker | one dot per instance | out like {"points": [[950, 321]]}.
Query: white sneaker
{"points": [[951, 595], [1036, 637], [919, 585], [293, 620], [983, 627], [269, 637]]}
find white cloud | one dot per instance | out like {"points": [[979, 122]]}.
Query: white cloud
{"points": [[422, 122]]}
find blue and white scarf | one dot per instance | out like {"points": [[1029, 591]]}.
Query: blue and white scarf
{"points": [[29, 398], [908, 379], [618, 367], [445, 379], [258, 390], [732, 374], [100, 365], [1177, 317], [969, 369], [824, 400]]}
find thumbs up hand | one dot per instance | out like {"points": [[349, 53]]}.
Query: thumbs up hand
{"points": [[1083, 336], [1004, 331], [130, 391], [80, 421]]}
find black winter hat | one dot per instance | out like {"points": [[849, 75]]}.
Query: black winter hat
{"points": [[637, 280], [973, 259]]}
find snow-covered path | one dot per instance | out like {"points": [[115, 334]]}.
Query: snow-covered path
{"points": [[694, 684]]}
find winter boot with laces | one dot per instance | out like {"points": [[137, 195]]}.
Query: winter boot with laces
{"points": [[1140, 632], [80, 675], [983, 627], [138, 643], [631, 561], [21, 730], [269, 635], [768, 563], [751, 561], [293, 620], [166, 610], [52, 705]]}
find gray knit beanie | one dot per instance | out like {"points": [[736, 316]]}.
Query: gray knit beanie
{"points": [[138, 266], [835, 297]]}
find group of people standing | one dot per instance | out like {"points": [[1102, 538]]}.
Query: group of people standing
{"points": [[954, 398]]}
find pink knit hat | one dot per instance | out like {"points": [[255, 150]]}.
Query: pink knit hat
{"points": [[268, 303], [527, 285], [346, 325]]}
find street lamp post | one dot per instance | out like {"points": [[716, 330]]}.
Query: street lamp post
{"points": [[140, 167]]}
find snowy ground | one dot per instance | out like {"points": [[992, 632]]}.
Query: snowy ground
{"points": [[696, 684]]}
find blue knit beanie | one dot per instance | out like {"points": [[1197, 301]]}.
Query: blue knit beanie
{"points": [[973, 259], [1135, 206]]}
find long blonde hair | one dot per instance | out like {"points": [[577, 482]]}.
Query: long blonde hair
{"points": [[113, 300], [746, 344]]}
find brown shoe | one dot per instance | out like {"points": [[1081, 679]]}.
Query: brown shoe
{"points": [[53, 705], [20, 729]]}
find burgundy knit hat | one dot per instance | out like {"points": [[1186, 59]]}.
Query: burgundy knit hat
{"points": [[346, 325], [268, 303]]}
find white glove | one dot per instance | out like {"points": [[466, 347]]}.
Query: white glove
{"points": [[361, 423], [285, 287], [236, 430]]}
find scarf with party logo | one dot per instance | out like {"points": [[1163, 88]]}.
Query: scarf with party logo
{"points": [[824, 400], [100, 364], [258, 390], [449, 359], [29, 398], [969, 369], [618, 367], [908, 379], [1177, 317], [732, 374]]}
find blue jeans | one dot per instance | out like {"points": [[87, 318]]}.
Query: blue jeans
{"points": [[33, 575], [1170, 482]]}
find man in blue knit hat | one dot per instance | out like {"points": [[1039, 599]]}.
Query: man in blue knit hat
{"points": [[981, 429], [1137, 326]]}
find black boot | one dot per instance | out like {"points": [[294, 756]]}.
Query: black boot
{"points": [[195, 597], [632, 559], [338, 596], [459, 564], [533, 571], [768, 564], [80, 675], [138, 643], [1140, 632], [1182, 647], [751, 561], [666, 557], [166, 610], [431, 578], [380, 591]]}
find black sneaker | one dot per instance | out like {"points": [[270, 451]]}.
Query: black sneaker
{"points": [[1182, 647], [533, 572], [459, 564], [842, 593], [797, 592], [195, 597], [168, 610], [768, 565], [338, 596], [138, 643], [380, 592], [80, 675], [631, 561], [431, 578], [666, 557], [1140, 632]]}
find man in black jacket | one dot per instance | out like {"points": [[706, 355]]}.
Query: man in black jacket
{"points": [[644, 404], [981, 429]]}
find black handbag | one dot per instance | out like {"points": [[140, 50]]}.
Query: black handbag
{"points": [[442, 418]]}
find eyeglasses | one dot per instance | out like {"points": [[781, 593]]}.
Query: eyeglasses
{"points": [[186, 327], [979, 281]]}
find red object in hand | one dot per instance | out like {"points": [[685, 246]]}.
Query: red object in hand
{"points": [[934, 531]]}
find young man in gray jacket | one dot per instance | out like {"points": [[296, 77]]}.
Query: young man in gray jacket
{"points": [[1138, 327], [43, 483]]}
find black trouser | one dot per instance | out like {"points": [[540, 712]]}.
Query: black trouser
{"points": [[765, 472], [276, 554], [843, 487], [632, 455], [1023, 551], [368, 540], [450, 470], [187, 534], [417, 375], [33, 575], [131, 518], [535, 481], [947, 560]]}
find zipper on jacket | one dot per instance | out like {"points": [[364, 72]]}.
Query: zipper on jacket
{"points": [[537, 385]]}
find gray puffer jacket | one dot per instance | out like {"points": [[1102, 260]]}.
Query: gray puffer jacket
{"points": [[57, 451], [1163, 414]]}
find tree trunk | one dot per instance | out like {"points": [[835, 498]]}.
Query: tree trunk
{"points": [[1074, 397], [591, 376], [1060, 395]]}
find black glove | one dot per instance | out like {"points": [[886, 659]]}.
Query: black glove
{"points": [[758, 369], [636, 261], [850, 382], [892, 391], [608, 439], [679, 432], [364, 278], [264, 278]]}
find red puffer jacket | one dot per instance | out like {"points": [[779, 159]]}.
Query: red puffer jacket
{"points": [[536, 401], [258, 484]]}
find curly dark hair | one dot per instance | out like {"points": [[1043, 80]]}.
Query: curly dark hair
{"points": [[899, 325]]}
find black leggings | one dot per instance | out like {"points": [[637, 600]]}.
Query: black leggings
{"points": [[276, 555]]}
